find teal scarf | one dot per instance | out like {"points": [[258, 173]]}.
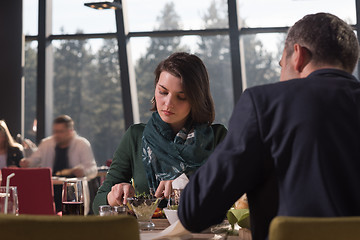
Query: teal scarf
{"points": [[166, 155]]}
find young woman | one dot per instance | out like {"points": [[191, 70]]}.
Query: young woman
{"points": [[10, 151], [177, 139]]}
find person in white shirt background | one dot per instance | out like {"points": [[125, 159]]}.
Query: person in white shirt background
{"points": [[65, 152]]}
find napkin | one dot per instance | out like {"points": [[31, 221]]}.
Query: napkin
{"points": [[180, 182], [174, 231]]}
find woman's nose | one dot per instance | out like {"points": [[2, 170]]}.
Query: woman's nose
{"points": [[169, 101]]}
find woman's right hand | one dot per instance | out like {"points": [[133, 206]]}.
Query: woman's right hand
{"points": [[119, 194]]}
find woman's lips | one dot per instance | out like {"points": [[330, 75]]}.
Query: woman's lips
{"points": [[167, 113]]}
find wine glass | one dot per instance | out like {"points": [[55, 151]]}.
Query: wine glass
{"points": [[144, 208], [12, 203], [73, 198]]}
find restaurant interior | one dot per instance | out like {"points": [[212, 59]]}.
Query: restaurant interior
{"points": [[94, 61]]}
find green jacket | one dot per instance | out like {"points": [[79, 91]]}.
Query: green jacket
{"points": [[127, 163]]}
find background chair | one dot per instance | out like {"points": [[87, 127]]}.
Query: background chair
{"points": [[35, 189], [31, 227], [311, 228]]}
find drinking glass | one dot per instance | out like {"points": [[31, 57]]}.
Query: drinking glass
{"points": [[73, 198], [144, 208], [13, 205]]}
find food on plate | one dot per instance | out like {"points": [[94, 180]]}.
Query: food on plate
{"points": [[158, 213], [144, 205]]}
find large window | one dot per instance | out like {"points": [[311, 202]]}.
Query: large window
{"points": [[86, 72], [214, 51], [185, 14], [86, 87], [71, 16], [280, 13], [30, 90], [261, 56], [30, 17]]}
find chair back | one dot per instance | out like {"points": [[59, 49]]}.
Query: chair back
{"points": [[314, 228], [35, 227], [35, 189]]}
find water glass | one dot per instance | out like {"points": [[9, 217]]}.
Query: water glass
{"points": [[13, 205], [73, 198]]}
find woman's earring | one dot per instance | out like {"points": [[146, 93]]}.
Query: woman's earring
{"points": [[153, 100]]}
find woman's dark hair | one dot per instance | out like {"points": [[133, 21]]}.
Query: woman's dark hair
{"points": [[195, 82], [10, 142], [329, 39]]}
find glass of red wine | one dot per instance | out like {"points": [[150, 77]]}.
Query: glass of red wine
{"points": [[73, 198]]}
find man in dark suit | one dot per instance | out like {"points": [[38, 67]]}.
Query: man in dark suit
{"points": [[292, 146]]}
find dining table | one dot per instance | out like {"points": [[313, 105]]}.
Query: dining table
{"points": [[162, 223]]}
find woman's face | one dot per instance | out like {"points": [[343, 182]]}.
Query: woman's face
{"points": [[171, 102]]}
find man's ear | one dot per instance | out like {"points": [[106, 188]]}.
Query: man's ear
{"points": [[300, 57]]}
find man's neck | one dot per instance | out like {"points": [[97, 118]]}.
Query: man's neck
{"points": [[65, 144], [311, 68]]}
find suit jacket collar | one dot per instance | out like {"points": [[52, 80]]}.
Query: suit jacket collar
{"points": [[332, 72]]}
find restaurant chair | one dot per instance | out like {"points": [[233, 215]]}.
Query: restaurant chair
{"points": [[34, 227], [314, 228], [35, 189]]}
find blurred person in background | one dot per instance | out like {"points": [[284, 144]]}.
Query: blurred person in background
{"points": [[10, 151], [65, 152], [177, 139], [292, 146]]}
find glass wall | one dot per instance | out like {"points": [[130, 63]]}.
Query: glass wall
{"points": [[71, 17], [280, 13], [261, 56], [87, 88], [30, 17], [215, 53], [86, 74], [30, 73], [172, 15]]}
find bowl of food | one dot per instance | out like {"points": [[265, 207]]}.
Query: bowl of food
{"points": [[144, 207]]}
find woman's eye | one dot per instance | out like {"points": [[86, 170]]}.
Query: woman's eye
{"points": [[182, 98], [163, 93]]}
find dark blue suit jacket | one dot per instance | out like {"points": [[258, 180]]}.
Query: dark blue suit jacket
{"points": [[293, 147]]}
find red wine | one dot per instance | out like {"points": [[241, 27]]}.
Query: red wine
{"points": [[73, 208]]}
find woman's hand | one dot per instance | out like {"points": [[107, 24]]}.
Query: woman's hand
{"points": [[164, 189], [119, 194]]}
